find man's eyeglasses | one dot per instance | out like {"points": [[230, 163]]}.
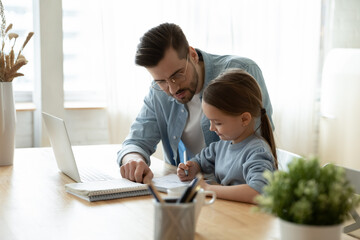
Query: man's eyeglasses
{"points": [[179, 77]]}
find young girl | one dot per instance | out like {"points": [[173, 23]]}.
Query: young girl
{"points": [[232, 103]]}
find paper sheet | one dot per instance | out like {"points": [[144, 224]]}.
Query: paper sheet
{"points": [[168, 181]]}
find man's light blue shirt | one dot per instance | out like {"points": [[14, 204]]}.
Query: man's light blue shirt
{"points": [[164, 118]]}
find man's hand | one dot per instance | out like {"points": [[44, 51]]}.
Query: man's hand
{"points": [[135, 168]]}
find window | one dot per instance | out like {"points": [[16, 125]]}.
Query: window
{"points": [[82, 68], [83, 80], [20, 14]]}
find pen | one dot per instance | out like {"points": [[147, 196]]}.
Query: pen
{"points": [[185, 160], [193, 195], [155, 193], [195, 188], [186, 192], [190, 190]]}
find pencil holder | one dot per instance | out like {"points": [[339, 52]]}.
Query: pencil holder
{"points": [[174, 220]]}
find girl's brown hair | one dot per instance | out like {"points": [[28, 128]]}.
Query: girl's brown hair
{"points": [[235, 92]]}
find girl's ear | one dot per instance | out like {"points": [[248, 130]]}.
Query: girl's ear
{"points": [[246, 118]]}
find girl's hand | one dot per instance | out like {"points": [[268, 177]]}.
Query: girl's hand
{"points": [[204, 185], [192, 167]]}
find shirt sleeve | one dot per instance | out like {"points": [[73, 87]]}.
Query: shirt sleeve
{"points": [[144, 133], [258, 162], [206, 158]]}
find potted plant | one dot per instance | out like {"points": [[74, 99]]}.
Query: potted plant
{"points": [[309, 200]]}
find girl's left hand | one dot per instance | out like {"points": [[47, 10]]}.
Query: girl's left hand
{"points": [[204, 185]]}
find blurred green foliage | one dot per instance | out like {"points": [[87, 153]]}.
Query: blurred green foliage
{"points": [[308, 193]]}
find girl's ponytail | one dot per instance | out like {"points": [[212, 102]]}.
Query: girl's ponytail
{"points": [[267, 133]]}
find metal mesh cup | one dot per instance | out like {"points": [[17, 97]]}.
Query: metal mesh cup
{"points": [[174, 220]]}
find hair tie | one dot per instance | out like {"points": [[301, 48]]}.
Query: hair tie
{"points": [[263, 111]]}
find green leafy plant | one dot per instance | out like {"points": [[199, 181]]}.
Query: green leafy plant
{"points": [[308, 194]]}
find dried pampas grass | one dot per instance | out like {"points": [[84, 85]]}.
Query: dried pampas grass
{"points": [[9, 63]]}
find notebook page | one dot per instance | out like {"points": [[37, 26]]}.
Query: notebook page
{"points": [[168, 181]]}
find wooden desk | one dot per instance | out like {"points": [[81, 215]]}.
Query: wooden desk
{"points": [[34, 205]]}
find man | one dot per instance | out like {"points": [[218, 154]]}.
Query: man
{"points": [[172, 109]]}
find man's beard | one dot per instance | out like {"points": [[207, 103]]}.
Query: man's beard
{"points": [[192, 88]]}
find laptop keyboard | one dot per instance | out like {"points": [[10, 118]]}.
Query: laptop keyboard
{"points": [[90, 175]]}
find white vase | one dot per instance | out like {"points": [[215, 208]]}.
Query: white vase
{"points": [[293, 231], [7, 124]]}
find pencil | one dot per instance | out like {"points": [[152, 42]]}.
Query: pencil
{"points": [[190, 190], [155, 193], [185, 160], [195, 188]]}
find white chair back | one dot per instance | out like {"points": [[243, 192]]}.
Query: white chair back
{"points": [[284, 158]]}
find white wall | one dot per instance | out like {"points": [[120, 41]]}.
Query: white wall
{"points": [[86, 126], [24, 129]]}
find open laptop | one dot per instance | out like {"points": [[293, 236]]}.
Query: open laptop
{"points": [[64, 156]]}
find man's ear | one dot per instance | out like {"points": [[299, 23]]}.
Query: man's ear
{"points": [[246, 118], [193, 55]]}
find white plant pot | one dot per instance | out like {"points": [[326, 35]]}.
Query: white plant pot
{"points": [[293, 231]]}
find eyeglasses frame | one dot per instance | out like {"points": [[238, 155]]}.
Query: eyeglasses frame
{"points": [[156, 85]]}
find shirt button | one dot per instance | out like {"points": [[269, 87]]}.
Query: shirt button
{"points": [[182, 110], [174, 137]]}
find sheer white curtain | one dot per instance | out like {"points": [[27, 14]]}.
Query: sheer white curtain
{"points": [[281, 36]]}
